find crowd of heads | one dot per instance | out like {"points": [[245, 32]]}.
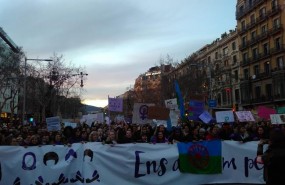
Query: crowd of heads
{"points": [[122, 132]]}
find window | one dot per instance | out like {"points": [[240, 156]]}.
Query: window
{"points": [[241, 8], [243, 25], [237, 95], [252, 19], [253, 35], [274, 4], [257, 92], [254, 53], [243, 41], [268, 89], [225, 51], [280, 63], [262, 12], [263, 29], [234, 59], [245, 57], [249, 3], [233, 45], [265, 49], [209, 59], [256, 70], [276, 23], [246, 73], [216, 55], [267, 68], [236, 75], [278, 43]]}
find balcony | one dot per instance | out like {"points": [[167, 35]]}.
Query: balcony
{"points": [[276, 29], [278, 70], [245, 62], [275, 9], [262, 99], [248, 8], [278, 49], [261, 76], [253, 41], [244, 45], [261, 18], [262, 36]]}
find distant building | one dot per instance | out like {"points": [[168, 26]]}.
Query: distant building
{"points": [[148, 86]]}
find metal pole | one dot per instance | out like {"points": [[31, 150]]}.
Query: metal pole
{"points": [[210, 79], [24, 92]]}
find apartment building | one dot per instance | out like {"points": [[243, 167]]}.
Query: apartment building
{"points": [[148, 86], [260, 25], [9, 83], [221, 61]]}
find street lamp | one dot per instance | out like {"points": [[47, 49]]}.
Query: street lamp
{"points": [[25, 83]]}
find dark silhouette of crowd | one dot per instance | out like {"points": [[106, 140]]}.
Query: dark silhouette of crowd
{"points": [[121, 132]]}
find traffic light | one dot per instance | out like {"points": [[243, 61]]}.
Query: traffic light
{"points": [[31, 119]]}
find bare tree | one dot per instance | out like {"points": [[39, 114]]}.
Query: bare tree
{"points": [[51, 83]]}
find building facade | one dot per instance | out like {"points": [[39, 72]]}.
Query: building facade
{"points": [[260, 25], [9, 81]]}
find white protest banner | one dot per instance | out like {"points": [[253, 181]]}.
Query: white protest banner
{"points": [[224, 116], [83, 119], [127, 164], [206, 117], [140, 113], [174, 116], [90, 118], [244, 116], [100, 117], [53, 123], [171, 104], [277, 118], [70, 124]]}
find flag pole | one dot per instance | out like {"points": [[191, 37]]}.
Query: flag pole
{"points": [[109, 113]]}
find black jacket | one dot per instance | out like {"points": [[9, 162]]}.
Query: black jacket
{"points": [[274, 163]]}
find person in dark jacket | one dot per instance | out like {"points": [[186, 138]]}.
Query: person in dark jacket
{"points": [[273, 158]]}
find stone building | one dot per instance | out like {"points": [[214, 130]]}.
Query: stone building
{"points": [[260, 27]]}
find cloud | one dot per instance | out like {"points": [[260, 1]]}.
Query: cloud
{"points": [[116, 40]]}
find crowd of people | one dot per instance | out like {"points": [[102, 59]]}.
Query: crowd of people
{"points": [[121, 132]]}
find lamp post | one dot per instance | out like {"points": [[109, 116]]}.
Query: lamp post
{"points": [[25, 84]]}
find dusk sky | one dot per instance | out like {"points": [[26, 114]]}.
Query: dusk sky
{"points": [[115, 40]]}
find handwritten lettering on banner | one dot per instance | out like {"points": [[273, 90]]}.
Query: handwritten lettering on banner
{"points": [[143, 164], [244, 116], [171, 104]]}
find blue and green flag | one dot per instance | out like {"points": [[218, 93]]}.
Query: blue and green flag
{"points": [[203, 157]]}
